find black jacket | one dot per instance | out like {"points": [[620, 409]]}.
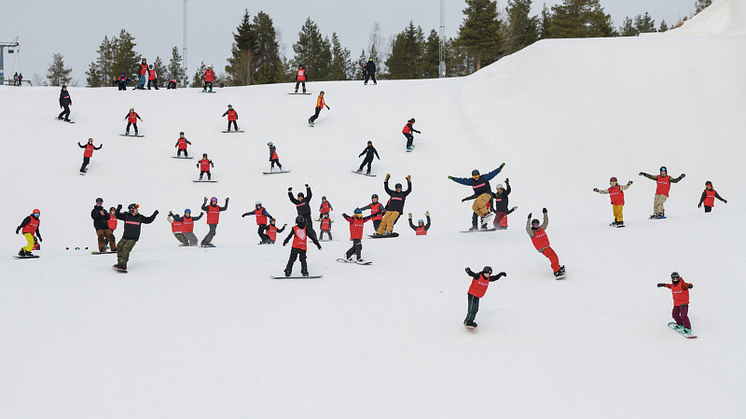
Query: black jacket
{"points": [[303, 206], [501, 201], [369, 152], [132, 223], [396, 202], [65, 98], [100, 222], [370, 67]]}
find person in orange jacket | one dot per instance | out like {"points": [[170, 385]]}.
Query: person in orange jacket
{"points": [[300, 77], [480, 281], [320, 103], [680, 292], [407, 131], [708, 197], [616, 193], [540, 241]]}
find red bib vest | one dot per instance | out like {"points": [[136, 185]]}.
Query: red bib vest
{"points": [[540, 239], [326, 224], [112, 222], [88, 150], [132, 117], [479, 285], [213, 214], [176, 227], [232, 115], [182, 142], [377, 211], [421, 231], [664, 185], [617, 195], [187, 225], [301, 74], [356, 228], [31, 226], [300, 240], [272, 232], [204, 165], [710, 198]]}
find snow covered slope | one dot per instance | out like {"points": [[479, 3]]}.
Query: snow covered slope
{"points": [[206, 333]]}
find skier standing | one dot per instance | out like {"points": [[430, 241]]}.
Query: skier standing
{"points": [[29, 227], [177, 227], [152, 77], [102, 226], [407, 131], [480, 281], [273, 157], [89, 147], [320, 103], [664, 182], [377, 210], [616, 193], [501, 205], [421, 228], [209, 77], [357, 221], [213, 217], [300, 77], [395, 206], [708, 197], [482, 195], [131, 119], [204, 167], [325, 227], [370, 71], [300, 233], [302, 205], [540, 241], [232, 118], [261, 220], [133, 221], [680, 291], [369, 152], [181, 145], [65, 103]]}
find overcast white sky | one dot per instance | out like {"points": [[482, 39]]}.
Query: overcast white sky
{"points": [[76, 28]]}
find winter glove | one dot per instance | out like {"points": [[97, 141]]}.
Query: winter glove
{"points": [[284, 244], [410, 216], [119, 207], [468, 270], [306, 185], [660, 285], [205, 200], [501, 274], [319, 246], [642, 173], [682, 176], [595, 189], [388, 176], [544, 210], [427, 213], [699, 205], [689, 286], [464, 200], [290, 189], [529, 215], [450, 177], [155, 212], [170, 213], [244, 215], [725, 201], [507, 182], [629, 183], [501, 166], [328, 109], [227, 199], [18, 229], [284, 225], [201, 213], [409, 178]]}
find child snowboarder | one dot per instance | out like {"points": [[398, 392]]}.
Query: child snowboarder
{"points": [[122, 81], [112, 223], [29, 227], [357, 221], [480, 281], [616, 193], [181, 145], [407, 131], [376, 211], [300, 233], [272, 231], [482, 195], [541, 242], [395, 206], [101, 225], [302, 205], [177, 227], [326, 226], [87, 154], [664, 182], [261, 220], [708, 197], [320, 103], [273, 157], [209, 77], [325, 207], [421, 228], [133, 221], [131, 119], [204, 167], [232, 118], [300, 77], [187, 227], [680, 291], [369, 152], [213, 217], [152, 77], [501, 206]]}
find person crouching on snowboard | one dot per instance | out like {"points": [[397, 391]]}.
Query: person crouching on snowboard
{"points": [[616, 193], [501, 206], [272, 230], [357, 221], [421, 228], [541, 241], [300, 235], [133, 221], [188, 226], [680, 291], [29, 227], [395, 206], [480, 281], [177, 227], [482, 195], [708, 197]]}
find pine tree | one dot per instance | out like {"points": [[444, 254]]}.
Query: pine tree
{"points": [[523, 29], [313, 51], [93, 79], [126, 60], [579, 19], [701, 5], [267, 58], [663, 27], [431, 56], [57, 74], [544, 21], [197, 81], [240, 68], [105, 62], [341, 66], [175, 70], [628, 28], [160, 70], [479, 33], [644, 23], [407, 52]]}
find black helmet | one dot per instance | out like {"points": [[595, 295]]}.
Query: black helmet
{"points": [[475, 172], [397, 186], [535, 223], [300, 220], [374, 196], [132, 206], [675, 276], [99, 200], [487, 270], [411, 120]]}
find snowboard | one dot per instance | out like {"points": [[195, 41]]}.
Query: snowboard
{"points": [[362, 262], [62, 120], [616, 225], [364, 174], [481, 230], [232, 132], [672, 325], [132, 135], [210, 91], [208, 245], [470, 327], [26, 257], [299, 93], [294, 276], [204, 181], [124, 271], [102, 253], [310, 125], [276, 172], [82, 173], [181, 157], [383, 236], [657, 217]]}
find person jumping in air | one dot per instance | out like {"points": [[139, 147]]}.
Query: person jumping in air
{"points": [[421, 228], [232, 118], [407, 131], [261, 220], [320, 103], [395, 206], [480, 281], [300, 233], [187, 226], [209, 77], [357, 221], [680, 291], [482, 195], [204, 167], [181, 145], [87, 154], [213, 217], [377, 210], [541, 242], [101, 223], [369, 152], [664, 182], [325, 227], [133, 221], [177, 227], [501, 206], [131, 119], [300, 77], [272, 231], [303, 205], [708, 197], [273, 157], [616, 193], [325, 207], [29, 227]]}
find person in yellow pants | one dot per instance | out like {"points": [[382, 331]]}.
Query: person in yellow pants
{"points": [[395, 206], [29, 227], [482, 195], [616, 193]]}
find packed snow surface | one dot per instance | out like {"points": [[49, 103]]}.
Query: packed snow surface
{"points": [[192, 332]]}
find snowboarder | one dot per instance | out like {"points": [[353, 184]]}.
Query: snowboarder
{"points": [[101, 223], [152, 77], [421, 228], [131, 119], [395, 206], [616, 193], [370, 71], [325, 207], [133, 221], [407, 131], [213, 217], [680, 291], [232, 118], [122, 81], [272, 231], [65, 103], [181, 145], [302, 205], [261, 221], [320, 103], [500, 209], [300, 77], [357, 222], [143, 67], [480, 281], [204, 167], [377, 210], [188, 226], [89, 147], [540, 240], [369, 152], [112, 223], [29, 227], [664, 182], [708, 197], [300, 233], [209, 77], [326, 226], [177, 227], [171, 85], [273, 157], [482, 195]]}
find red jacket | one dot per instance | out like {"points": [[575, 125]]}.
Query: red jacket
{"points": [[301, 74], [680, 292], [112, 222], [209, 76], [540, 239], [479, 285]]}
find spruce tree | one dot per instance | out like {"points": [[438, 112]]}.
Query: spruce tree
{"points": [[407, 52], [197, 81], [313, 52], [663, 27], [644, 23], [175, 70], [479, 34], [105, 62], [377, 51], [126, 60], [92, 77], [701, 5], [57, 74], [240, 68], [341, 66], [628, 28], [266, 55], [431, 56], [544, 21], [579, 19], [523, 29], [160, 70]]}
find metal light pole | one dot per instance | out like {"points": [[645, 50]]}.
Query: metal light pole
{"points": [[184, 47], [442, 35]]}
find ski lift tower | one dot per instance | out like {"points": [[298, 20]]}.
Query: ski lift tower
{"points": [[10, 46], [442, 36], [184, 47]]}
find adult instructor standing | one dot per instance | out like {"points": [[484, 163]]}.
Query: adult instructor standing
{"points": [[65, 103], [133, 221]]}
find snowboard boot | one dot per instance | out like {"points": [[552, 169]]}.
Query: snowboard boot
{"points": [[304, 273], [287, 273], [620, 224], [471, 323], [686, 331], [126, 133], [22, 253]]}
